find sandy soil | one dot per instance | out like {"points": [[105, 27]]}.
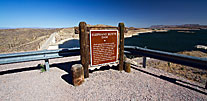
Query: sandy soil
{"points": [[23, 81]]}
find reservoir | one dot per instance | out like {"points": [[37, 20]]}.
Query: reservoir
{"points": [[171, 41]]}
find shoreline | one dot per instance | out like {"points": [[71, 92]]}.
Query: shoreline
{"points": [[72, 36], [132, 33]]}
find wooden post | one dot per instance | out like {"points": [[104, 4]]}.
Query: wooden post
{"points": [[84, 47], [47, 65], [127, 66], [121, 46], [77, 74]]}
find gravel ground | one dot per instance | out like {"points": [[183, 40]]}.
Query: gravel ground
{"points": [[23, 81]]}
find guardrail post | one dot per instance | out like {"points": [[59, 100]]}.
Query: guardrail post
{"points": [[121, 46], [144, 60], [47, 65]]}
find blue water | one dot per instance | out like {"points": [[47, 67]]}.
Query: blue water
{"points": [[70, 44], [171, 41]]}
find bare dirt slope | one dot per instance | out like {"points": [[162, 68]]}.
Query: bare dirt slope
{"points": [[23, 39], [187, 72], [23, 81], [66, 33]]}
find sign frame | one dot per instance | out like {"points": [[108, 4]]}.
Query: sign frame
{"points": [[117, 49]]}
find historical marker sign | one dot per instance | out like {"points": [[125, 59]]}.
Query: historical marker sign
{"points": [[103, 46]]}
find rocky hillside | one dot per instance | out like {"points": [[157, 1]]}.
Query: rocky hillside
{"points": [[66, 34], [23, 39]]}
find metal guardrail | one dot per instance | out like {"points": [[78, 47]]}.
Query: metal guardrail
{"points": [[200, 63], [197, 62], [38, 55]]}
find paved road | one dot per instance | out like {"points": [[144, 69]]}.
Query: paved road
{"points": [[49, 41]]}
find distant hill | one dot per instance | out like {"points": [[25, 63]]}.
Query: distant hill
{"points": [[190, 26], [6, 28]]}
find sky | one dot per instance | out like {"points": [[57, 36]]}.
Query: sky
{"points": [[68, 13]]}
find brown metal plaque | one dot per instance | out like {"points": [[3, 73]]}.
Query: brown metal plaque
{"points": [[103, 46]]}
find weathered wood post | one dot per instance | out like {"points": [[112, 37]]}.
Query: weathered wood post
{"points": [[121, 46], [127, 66], [77, 74], [84, 48]]}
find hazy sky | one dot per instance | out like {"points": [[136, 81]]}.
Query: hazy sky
{"points": [[68, 13]]}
